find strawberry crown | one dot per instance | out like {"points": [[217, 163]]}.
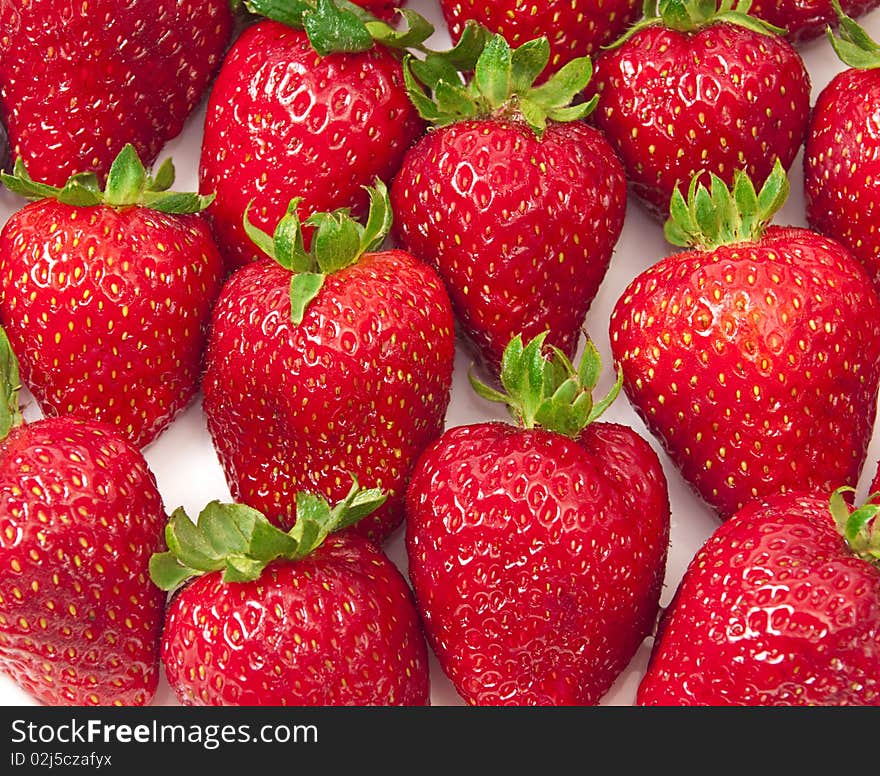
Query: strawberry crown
{"points": [[499, 81], [720, 215], [241, 542], [692, 15], [127, 184], [10, 384], [337, 242], [544, 389], [859, 527], [853, 46], [341, 26]]}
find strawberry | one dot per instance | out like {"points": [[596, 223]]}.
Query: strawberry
{"points": [[288, 619], [842, 151], [106, 295], [326, 363], [77, 84], [690, 90], [514, 200], [780, 607], [537, 551], [291, 116], [80, 516], [805, 20], [574, 28], [751, 357]]}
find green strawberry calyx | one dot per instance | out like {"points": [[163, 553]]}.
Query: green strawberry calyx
{"points": [[240, 541], [128, 184], [860, 526], [853, 46], [693, 15], [718, 215], [337, 242], [541, 387], [452, 86], [10, 384], [334, 26]]}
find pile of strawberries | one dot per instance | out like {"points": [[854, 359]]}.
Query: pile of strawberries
{"points": [[517, 387]]}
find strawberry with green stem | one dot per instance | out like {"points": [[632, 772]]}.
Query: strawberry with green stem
{"points": [[316, 616], [753, 356], [80, 517], [780, 607], [842, 149], [514, 200], [806, 20], [325, 361], [107, 293], [537, 550], [694, 89]]}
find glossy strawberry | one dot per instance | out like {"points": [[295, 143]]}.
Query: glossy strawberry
{"points": [[288, 619], [327, 364], [106, 295], [80, 516], [574, 28], [537, 555], [702, 93], [805, 20], [79, 81], [780, 607], [286, 121], [842, 151], [516, 202], [751, 357]]}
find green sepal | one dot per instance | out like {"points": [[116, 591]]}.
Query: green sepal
{"points": [[860, 527], [449, 65], [332, 28], [411, 35], [10, 385], [541, 386], [128, 184], [338, 241], [853, 46], [719, 215], [240, 541], [502, 83], [693, 15]]}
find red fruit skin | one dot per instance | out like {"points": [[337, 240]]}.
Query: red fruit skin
{"points": [[107, 310], [674, 104], [805, 20], [80, 516], [360, 387], [754, 364], [337, 628], [842, 165], [574, 28], [283, 122], [774, 610], [521, 230], [384, 9], [536, 560], [79, 82]]}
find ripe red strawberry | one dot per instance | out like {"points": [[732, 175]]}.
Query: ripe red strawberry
{"points": [[574, 28], [751, 357], [711, 93], [284, 120], [106, 295], [324, 364], [516, 202], [780, 607], [80, 82], [288, 619], [537, 551], [842, 151], [805, 20], [80, 516]]}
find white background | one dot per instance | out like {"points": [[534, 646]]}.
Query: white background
{"points": [[189, 475]]}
